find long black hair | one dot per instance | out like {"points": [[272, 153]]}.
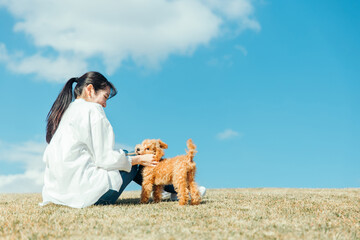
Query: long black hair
{"points": [[65, 97]]}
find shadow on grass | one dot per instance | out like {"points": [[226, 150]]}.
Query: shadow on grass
{"points": [[128, 201], [136, 201]]}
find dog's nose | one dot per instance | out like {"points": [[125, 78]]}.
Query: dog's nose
{"points": [[138, 149]]}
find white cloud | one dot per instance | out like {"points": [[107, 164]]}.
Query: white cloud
{"points": [[239, 11], [3, 53], [242, 49], [54, 69], [30, 181], [227, 134], [221, 62], [146, 32], [124, 146], [29, 155]]}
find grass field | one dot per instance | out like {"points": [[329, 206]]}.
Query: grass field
{"points": [[223, 214]]}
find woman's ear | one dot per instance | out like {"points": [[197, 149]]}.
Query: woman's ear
{"points": [[89, 90]]}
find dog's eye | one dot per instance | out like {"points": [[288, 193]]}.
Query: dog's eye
{"points": [[148, 149]]}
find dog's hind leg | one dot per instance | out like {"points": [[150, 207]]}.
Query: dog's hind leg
{"points": [[182, 186], [194, 191]]}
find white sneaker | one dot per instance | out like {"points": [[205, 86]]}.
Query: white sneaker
{"points": [[202, 191], [165, 195]]}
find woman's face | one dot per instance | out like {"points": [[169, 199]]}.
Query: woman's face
{"points": [[101, 96]]}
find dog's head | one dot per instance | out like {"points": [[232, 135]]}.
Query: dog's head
{"points": [[151, 146]]}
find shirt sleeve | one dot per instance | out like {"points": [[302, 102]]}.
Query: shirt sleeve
{"points": [[103, 140]]}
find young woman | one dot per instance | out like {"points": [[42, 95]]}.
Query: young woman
{"points": [[82, 168]]}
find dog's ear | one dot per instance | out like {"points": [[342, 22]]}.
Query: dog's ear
{"points": [[162, 144], [158, 154]]}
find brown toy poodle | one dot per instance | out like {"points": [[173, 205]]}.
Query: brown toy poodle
{"points": [[179, 171]]}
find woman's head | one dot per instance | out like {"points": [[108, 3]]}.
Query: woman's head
{"points": [[92, 87]]}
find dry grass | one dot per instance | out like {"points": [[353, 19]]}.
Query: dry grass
{"points": [[224, 214]]}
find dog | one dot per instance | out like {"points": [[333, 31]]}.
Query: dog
{"points": [[179, 171]]}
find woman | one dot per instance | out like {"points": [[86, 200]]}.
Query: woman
{"points": [[82, 168]]}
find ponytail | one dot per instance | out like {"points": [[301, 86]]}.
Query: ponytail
{"points": [[57, 110]]}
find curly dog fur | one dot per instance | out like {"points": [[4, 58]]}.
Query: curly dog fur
{"points": [[179, 171]]}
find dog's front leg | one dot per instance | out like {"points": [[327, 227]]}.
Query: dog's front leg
{"points": [[147, 187]]}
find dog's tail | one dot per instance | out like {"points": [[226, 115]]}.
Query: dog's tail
{"points": [[191, 150]]}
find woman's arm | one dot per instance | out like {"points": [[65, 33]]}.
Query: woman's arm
{"points": [[109, 159], [102, 143]]}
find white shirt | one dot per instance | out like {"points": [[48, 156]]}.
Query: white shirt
{"points": [[81, 164]]}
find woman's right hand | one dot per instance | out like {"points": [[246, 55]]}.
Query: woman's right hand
{"points": [[145, 160]]}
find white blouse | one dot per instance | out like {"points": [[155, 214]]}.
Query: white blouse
{"points": [[81, 164]]}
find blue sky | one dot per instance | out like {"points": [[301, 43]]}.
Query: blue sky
{"points": [[268, 90]]}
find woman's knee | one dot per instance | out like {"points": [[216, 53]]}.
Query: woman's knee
{"points": [[127, 177]]}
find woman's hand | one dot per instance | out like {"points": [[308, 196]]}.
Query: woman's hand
{"points": [[145, 160]]}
